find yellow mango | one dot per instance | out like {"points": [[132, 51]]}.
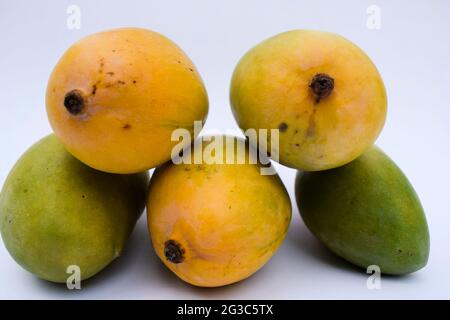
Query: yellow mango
{"points": [[320, 90], [115, 97], [216, 224]]}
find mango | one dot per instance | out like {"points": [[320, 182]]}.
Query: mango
{"points": [[218, 223], [115, 97], [56, 212], [320, 90], [367, 212]]}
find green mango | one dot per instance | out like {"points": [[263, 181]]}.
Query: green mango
{"points": [[366, 212], [56, 212]]}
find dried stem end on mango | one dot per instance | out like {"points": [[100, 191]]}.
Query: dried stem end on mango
{"points": [[321, 85], [173, 251], [74, 102]]}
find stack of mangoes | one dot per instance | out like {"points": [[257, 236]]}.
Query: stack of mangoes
{"points": [[114, 100]]}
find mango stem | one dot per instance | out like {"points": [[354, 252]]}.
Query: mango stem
{"points": [[173, 251], [74, 102], [321, 85]]}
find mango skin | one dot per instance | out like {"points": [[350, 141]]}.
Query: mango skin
{"points": [[138, 85], [228, 218], [270, 89], [367, 212], [56, 212]]}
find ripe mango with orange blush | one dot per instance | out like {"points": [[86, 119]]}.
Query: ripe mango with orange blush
{"points": [[213, 224], [115, 97], [319, 89]]}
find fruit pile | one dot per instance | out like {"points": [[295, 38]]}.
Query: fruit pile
{"points": [[114, 100]]}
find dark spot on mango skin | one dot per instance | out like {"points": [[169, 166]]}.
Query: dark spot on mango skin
{"points": [[102, 64], [200, 167], [283, 127], [110, 73], [191, 70], [134, 81], [116, 83], [297, 145], [95, 87], [126, 126]]}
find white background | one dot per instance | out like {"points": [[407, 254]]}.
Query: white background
{"points": [[411, 51]]}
